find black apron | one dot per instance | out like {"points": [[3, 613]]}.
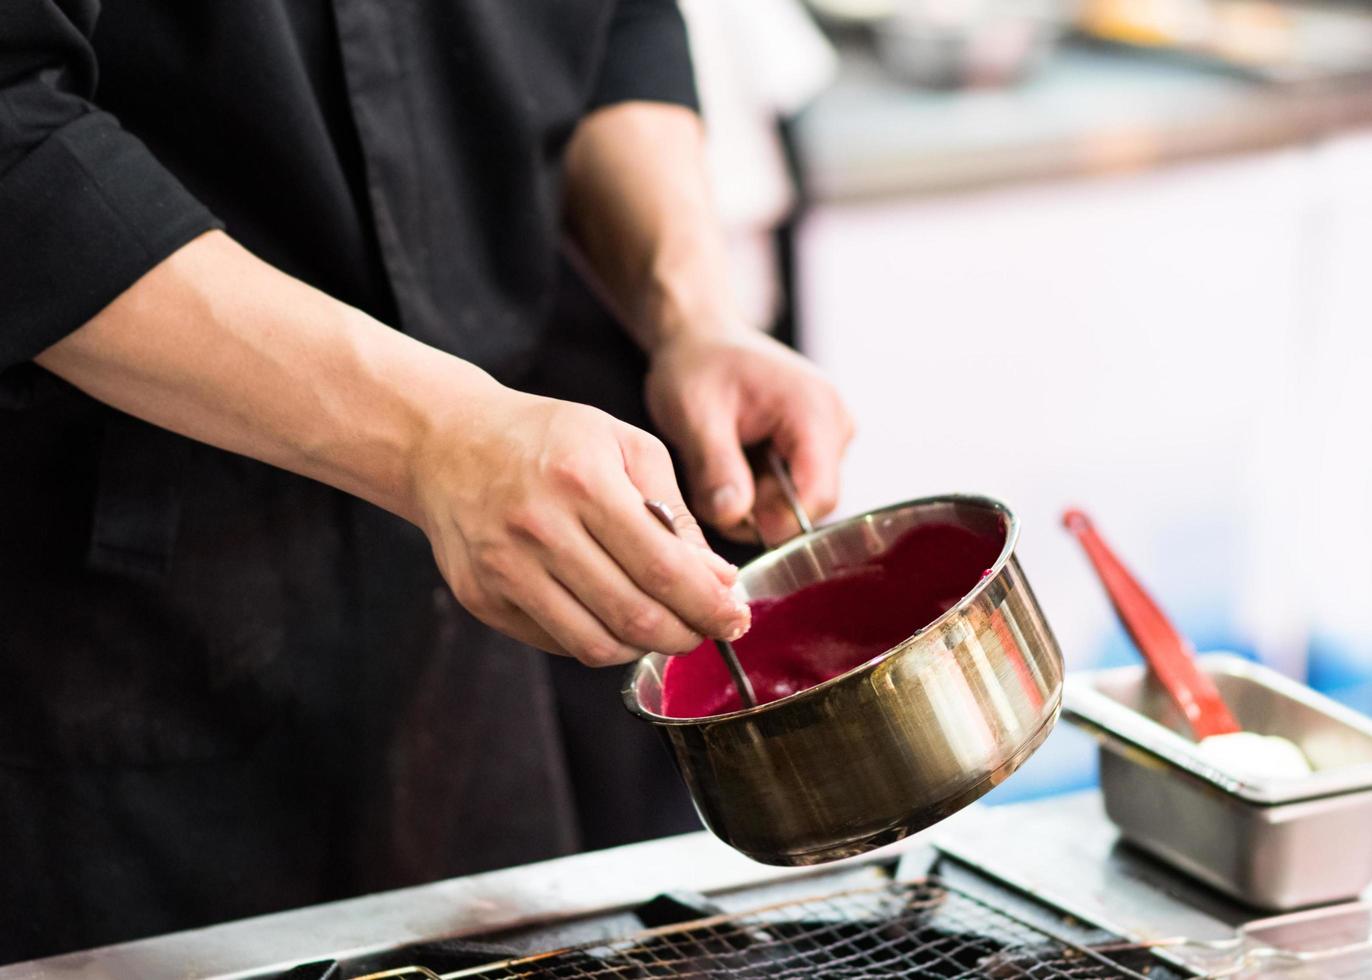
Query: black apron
{"points": [[293, 709]]}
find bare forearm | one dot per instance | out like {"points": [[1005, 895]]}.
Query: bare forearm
{"points": [[640, 213], [534, 507], [219, 346]]}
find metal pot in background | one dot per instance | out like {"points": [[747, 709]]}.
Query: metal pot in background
{"points": [[948, 44], [893, 745], [967, 43]]}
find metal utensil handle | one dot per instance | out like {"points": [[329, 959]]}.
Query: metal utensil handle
{"points": [[788, 489], [1260, 951], [746, 694], [1254, 956], [1165, 649], [1233, 956], [744, 686]]}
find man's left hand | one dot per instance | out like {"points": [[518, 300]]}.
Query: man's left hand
{"points": [[711, 397]]}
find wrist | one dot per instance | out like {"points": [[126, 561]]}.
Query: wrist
{"points": [[687, 298], [452, 440], [685, 316], [418, 402]]}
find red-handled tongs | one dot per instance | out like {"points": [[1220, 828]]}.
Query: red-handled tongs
{"points": [[1168, 653]]}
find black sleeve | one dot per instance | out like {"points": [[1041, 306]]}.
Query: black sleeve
{"points": [[646, 56], [85, 208]]}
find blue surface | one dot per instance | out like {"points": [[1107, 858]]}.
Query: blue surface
{"points": [[1066, 762], [1342, 670]]}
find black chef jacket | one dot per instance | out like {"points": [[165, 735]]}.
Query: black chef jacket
{"points": [[225, 689]]}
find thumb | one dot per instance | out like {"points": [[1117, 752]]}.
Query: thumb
{"points": [[717, 471]]}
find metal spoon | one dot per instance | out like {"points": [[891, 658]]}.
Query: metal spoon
{"points": [[741, 683], [788, 489], [665, 516]]}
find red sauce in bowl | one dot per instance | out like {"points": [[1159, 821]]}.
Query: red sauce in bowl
{"points": [[830, 627]]}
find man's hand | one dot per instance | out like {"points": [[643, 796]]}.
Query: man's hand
{"points": [[640, 214], [535, 509], [711, 396]]}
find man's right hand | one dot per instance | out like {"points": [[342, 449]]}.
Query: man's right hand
{"points": [[535, 509]]}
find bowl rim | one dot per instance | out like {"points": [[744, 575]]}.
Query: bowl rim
{"points": [[1012, 527]]}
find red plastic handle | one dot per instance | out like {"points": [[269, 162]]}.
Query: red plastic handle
{"points": [[1166, 650]]}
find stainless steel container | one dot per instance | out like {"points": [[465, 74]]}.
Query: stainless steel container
{"points": [[1273, 843], [891, 746]]}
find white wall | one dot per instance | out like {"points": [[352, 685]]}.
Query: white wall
{"points": [[1187, 354], [1336, 546]]}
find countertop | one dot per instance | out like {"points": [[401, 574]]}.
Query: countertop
{"points": [[583, 884], [1076, 863], [1091, 109]]}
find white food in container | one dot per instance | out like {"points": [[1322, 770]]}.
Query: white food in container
{"points": [[1255, 755]]}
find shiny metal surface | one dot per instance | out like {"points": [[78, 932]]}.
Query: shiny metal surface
{"points": [[916, 929], [1080, 864], [892, 746], [1075, 862], [1274, 844], [1327, 942], [1090, 111], [788, 490], [594, 883]]}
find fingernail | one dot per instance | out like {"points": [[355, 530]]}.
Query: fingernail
{"points": [[723, 498], [745, 620]]}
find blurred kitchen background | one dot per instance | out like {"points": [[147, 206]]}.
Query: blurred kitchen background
{"points": [[1107, 253]]}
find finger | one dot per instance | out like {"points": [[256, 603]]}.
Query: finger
{"points": [[746, 531], [504, 616], [813, 450], [649, 467], [671, 569], [674, 518], [569, 624], [717, 470], [479, 593], [725, 570], [514, 622], [630, 615], [775, 520]]}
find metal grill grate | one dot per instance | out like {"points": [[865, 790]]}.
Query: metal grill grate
{"points": [[927, 930]]}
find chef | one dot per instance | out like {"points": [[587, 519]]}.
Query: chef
{"points": [[279, 517]]}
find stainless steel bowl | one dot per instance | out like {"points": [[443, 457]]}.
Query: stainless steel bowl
{"points": [[893, 745]]}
